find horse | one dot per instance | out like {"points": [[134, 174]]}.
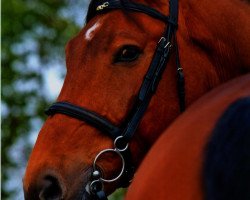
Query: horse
{"points": [[205, 153], [131, 71]]}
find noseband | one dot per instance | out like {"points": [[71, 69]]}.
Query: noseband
{"points": [[123, 134]]}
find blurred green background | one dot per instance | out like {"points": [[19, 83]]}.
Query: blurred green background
{"points": [[34, 34]]}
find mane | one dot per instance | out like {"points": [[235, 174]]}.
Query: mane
{"points": [[227, 159]]}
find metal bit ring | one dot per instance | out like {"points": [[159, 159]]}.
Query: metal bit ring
{"points": [[116, 146], [123, 164]]}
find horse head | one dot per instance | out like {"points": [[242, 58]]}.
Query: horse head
{"points": [[114, 66]]}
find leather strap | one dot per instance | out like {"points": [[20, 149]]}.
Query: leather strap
{"points": [[104, 6], [85, 115], [154, 73]]}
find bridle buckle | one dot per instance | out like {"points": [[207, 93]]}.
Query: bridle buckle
{"points": [[101, 7], [163, 40]]}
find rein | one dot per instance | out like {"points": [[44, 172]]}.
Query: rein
{"points": [[123, 134]]}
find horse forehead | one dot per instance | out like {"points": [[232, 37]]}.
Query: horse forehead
{"points": [[104, 24], [112, 22]]}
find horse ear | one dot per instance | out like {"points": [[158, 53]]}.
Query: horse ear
{"points": [[227, 160]]}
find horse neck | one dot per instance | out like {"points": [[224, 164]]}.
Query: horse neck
{"points": [[220, 30]]}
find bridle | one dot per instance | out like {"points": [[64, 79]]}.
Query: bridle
{"points": [[123, 134]]}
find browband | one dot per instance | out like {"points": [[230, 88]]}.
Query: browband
{"points": [[131, 6], [104, 6]]}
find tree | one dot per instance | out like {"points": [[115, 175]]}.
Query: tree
{"points": [[34, 34]]}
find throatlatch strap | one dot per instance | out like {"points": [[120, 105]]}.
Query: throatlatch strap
{"points": [[180, 79]]}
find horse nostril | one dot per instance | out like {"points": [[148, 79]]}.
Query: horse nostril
{"points": [[51, 189]]}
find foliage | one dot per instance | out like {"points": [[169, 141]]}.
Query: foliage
{"points": [[118, 194], [34, 34]]}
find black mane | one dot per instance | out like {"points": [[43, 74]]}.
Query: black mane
{"points": [[227, 160]]}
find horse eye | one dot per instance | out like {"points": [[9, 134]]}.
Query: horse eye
{"points": [[127, 53]]}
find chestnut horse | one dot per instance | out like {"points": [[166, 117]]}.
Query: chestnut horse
{"points": [[106, 64], [196, 159]]}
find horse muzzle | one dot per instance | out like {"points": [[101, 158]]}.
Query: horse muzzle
{"points": [[51, 186]]}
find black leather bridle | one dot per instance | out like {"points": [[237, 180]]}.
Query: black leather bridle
{"points": [[123, 134]]}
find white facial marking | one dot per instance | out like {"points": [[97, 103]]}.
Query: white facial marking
{"points": [[90, 32]]}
